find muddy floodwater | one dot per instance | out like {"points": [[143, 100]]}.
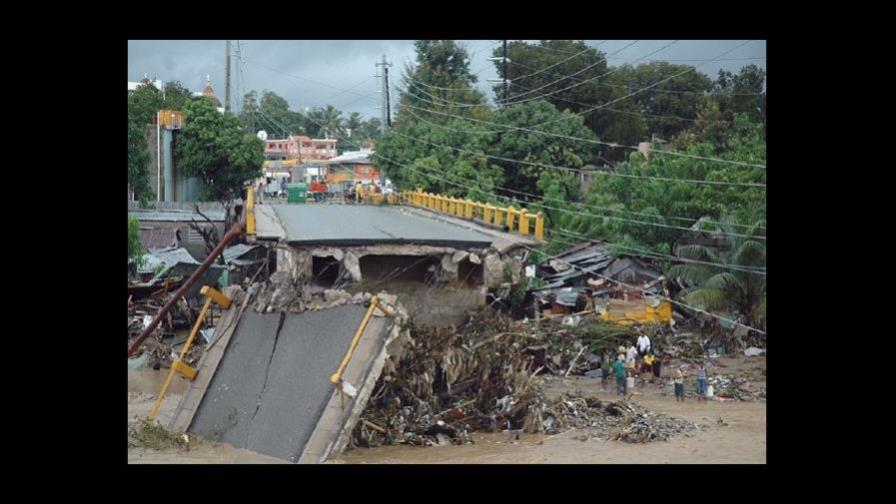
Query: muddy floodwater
{"points": [[735, 433]]}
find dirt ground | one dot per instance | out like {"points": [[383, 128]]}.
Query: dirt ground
{"points": [[741, 441], [143, 386]]}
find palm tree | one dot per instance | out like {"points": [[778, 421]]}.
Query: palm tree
{"points": [[738, 287], [331, 121], [353, 124]]}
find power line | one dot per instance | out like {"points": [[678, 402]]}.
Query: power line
{"points": [[671, 91], [541, 200], [598, 274], [303, 78], [688, 219], [733, 267], [522, 244], [505, 102], [641, 114], [599, 61], [557, 135], [690, 69], [580, 171]]}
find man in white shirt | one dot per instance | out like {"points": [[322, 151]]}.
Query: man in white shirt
{"points": [[643, 344], [630, 357]]}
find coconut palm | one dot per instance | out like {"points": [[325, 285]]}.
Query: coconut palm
{"points": [[331, 121], [353, 124], [738, 287]]}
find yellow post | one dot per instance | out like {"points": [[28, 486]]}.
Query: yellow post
{"points": [[539, 226], [487, 214], [337, 376], [444, 208], [451, 206], [524, 222], [216, 296], [459, 208], [468, 209], [499, 215], [250, 211], [174, 367], [510, 213]]}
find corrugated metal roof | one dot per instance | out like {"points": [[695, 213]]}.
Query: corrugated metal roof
{"points": [[158, 238], [176, 215], [237, 251], [168, 257]]}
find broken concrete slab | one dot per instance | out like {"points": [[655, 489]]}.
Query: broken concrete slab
{"points": [[459, 256], [494, 271], [273, 382], [352, 266]]}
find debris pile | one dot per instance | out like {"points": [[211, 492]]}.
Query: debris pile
{"points": [[453, 382], [484, 376], [282, 293], [728, 387], [611, 421]]}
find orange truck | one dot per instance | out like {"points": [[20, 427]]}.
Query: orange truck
{"points": [[318, 190]]}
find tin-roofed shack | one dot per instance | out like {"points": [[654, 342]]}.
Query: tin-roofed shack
{"points": [[588, 277]]}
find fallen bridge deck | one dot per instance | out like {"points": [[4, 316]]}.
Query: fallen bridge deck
{"points": [[272, 385]]}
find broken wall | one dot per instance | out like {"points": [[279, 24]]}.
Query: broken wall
{"points": [[438, 285]]}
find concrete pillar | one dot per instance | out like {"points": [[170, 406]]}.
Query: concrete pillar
{"points": [[168, 164]]}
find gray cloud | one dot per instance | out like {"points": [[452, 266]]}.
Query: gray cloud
{"points": [[311, 73]]}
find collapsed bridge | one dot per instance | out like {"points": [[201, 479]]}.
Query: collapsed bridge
{"points": [[266, 381]]}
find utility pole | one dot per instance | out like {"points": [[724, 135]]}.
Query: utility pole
{"points": [[227, 80], [506, 77], [506, 80], [386, 116], [388, 106]]}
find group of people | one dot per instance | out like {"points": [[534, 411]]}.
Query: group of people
{"points": [[627, 365], [362, 191]]}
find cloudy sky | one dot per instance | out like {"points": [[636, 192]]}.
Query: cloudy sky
{"points": [[311, 73]]}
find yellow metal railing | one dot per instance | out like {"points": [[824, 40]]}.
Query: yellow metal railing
{"points": [[250, 211], [336, 378], [517, 220], [178, 366]]}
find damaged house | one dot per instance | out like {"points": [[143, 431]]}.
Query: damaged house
{"points": [[588, 277]]}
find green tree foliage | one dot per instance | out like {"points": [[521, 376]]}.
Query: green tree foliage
{"points": [[561, 58], [216, 148], [440, 80], [143, 104], [676, 98], [135, 246], [436, 167], [371, 129], [618, 202], [328, 121], [249, 110], [734, 291], [274, 116], [138, 159], [539, 148], [742, 93], [175, 96]]}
